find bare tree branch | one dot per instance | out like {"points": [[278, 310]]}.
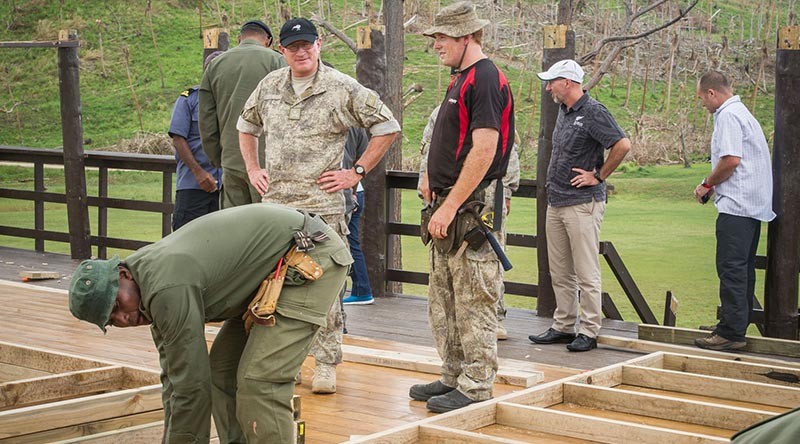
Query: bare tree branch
{"points": [[647, 9], [333, 30], [622, 38]]}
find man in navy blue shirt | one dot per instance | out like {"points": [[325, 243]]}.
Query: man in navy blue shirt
{"points": [[198, 181]]}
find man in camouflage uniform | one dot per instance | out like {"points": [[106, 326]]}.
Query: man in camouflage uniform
{"points": [[304, 112], [226, 84], [510, 185], [469, 154]]}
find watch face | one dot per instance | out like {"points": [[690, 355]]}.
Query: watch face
{"points": [[360, 170]]}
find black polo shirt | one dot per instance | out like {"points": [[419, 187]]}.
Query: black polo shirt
{"points": [[479, 97], [581, 135]]}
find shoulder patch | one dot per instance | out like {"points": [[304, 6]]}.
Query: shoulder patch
{"points": [[185, 93], [372, 100]]}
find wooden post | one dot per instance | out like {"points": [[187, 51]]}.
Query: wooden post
{"points": [[371, 72], [783, 241], [214, 39], [559, 44], [72, 135]]}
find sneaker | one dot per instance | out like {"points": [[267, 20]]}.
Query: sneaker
{"points": [[717, 342], [324, 381], [501, 332], [358, 300], [424, 392]]}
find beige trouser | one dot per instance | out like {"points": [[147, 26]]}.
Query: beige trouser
{"points": [[573, 242]]}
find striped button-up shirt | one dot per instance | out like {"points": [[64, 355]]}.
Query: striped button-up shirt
{"points": [[748, 192]]}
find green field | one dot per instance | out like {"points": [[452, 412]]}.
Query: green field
{"points": [[665, 238]]}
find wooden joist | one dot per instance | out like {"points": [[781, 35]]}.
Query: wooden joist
{"points": [[662, 397], [686, 336]]}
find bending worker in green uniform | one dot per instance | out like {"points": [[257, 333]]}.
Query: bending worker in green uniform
{"points": [[208, 271]]}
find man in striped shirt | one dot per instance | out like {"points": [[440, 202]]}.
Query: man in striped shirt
{"points": [[741, 183]]}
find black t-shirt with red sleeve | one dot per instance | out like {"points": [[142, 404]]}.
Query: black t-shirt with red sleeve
{"points": [[479, 97]]}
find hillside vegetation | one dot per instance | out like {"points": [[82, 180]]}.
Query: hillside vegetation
{"points": [[164, 51]]}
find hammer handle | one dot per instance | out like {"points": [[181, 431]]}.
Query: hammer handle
{"points": [[498, 250]]}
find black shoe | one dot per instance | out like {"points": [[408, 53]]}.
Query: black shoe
{"points": [[424, 392], [450, 401], [552, 336], [582, 343]]}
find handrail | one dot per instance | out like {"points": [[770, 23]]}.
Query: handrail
{"points": [[104, 161]]}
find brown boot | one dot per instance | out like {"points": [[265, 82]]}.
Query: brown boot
{"points": [[717, 342]]}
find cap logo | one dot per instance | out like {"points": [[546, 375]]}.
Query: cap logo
{"points": [[296, 27]]}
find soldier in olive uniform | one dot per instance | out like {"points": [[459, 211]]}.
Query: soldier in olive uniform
{"points": [[208, 271], [304, 112], [226, 85]]}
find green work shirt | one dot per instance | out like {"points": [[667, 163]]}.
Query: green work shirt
{"points": [[227, 83], [208, 271]]}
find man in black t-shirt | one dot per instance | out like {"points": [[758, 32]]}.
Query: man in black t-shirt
{"points": [[469, 152]]}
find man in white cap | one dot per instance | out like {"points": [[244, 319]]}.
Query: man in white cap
{"points": [[576, 202], [468, 157]]}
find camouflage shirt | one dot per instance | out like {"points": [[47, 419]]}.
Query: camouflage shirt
{"points": [[305, 134]]}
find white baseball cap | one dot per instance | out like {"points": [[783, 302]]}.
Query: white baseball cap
{"points": [[567, 69]]}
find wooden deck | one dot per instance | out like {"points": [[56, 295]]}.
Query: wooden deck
{"points": [[369, 398]]}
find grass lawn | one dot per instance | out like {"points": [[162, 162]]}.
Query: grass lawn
{"points": [[665, 238]]}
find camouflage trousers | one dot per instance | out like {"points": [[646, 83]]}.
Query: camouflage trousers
{"points": [[327, 345], [462, 298]]}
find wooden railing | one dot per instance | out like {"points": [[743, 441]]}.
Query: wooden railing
{"points": [[103, 161]]}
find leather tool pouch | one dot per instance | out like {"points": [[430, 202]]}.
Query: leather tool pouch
{"points": [[308, 268], [425, 217], [261, 308]]}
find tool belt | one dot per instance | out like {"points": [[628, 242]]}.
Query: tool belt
{"points": [[464, 228], [262, 307]]}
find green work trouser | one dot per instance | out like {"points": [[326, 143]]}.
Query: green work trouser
{"points": [[236, 190], [253, 376]]}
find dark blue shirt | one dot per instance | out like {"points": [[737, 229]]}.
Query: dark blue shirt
{"points": [[581, 135], [184, 124]]}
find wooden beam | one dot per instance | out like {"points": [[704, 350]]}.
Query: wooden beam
{"points": [[650, 346], [663, 407], [44, 360], [429, 364], [11, 372], [75, 431], [140, 434], [768, 374], [686, 336], [445, 435], [595, 429], [711, 386], [61, 386], [93, 408]]}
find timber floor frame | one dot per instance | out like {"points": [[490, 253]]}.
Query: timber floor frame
{"points": [[658, 398]]}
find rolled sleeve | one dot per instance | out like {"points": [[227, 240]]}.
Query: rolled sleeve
{"points": [[249, 128], [382, 129]]}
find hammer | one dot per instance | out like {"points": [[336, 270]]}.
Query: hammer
{"points": [[473, 208]]}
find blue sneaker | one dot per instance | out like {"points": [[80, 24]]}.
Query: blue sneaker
{"points": [[358, 300]]}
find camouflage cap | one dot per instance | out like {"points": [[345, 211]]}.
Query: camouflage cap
{"points": [[456, 20], [93, 290]]}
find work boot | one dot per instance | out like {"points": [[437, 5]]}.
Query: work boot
{"points": [[449, 401], [501, 332], [424, 392], [717, 342], [324, 379]]}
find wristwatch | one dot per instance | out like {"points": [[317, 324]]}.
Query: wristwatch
{"points": [[360, 170], [598, 177]]}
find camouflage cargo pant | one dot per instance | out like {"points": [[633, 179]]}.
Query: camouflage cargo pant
{"points": [[462, 295], [327, 345]]}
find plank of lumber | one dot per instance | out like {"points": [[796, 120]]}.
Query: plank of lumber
{"points": [[595, 429], [446, 435], [61, 386], [87, 428], [652, 346], [664, 407], [711, 386], [38, 275], [92, 408], [11, 372], [427, 364], [46, 361], [768, 374], [686, 336], [140, 434]]}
